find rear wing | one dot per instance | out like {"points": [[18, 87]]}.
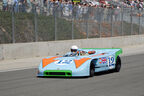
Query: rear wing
{"points": [[118, 51]]}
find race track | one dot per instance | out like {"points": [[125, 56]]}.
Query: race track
{"points": [[128, 82]]}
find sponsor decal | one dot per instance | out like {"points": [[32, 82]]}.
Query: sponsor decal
{"points": [[103, 60], [63, 62]]}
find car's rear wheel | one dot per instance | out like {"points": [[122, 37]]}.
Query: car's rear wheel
{"points": [[118, 64], [92, 70]]}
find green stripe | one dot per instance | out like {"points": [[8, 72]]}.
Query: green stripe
{"points": [[118, 52]]}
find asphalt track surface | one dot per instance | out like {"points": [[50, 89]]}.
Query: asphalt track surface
{"points": [[128, 82]]}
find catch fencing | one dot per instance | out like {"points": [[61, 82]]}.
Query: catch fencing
{"points": [[62, 22]]}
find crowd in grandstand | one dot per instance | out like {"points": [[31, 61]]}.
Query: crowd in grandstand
{"points": [[68, 7], [94, 3], [98, 9]]}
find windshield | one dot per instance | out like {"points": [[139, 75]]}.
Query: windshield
{"points": [[71, 54], [79, 53]]}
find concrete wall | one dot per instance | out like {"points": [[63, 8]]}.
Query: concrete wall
{"points": [[52, 48], [1, 52]]}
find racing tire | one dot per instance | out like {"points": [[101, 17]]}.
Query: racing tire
{"points": [[118, 64], [92, 70]]}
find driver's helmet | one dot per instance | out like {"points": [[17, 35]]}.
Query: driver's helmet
{"points": [[74, 48]]}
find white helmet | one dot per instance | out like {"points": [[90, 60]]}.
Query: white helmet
{"points": [[74, 48]]}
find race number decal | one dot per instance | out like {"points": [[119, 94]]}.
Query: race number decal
{"points": [[111, 61], [63, 62]]}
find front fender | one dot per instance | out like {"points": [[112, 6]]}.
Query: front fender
{"points": [[83, 70]]}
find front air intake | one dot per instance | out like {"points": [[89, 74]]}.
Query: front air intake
{"points": [[56, 73], [64, 73]]}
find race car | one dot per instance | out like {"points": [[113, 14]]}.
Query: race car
{"points": [[84, 62]]}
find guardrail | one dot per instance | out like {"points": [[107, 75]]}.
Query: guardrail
{"points": [[56, 22]]}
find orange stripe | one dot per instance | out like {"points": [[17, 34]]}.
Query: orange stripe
{"points": [[48, 61], [78, 63], [98, 55]]}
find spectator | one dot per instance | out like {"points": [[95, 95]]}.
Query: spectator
{"points": [[22, 5], [66, 10], [5, 4], [29, 5], [15, 5]]}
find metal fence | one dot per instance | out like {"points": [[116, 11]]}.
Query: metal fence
{"points": [[56, 22]]}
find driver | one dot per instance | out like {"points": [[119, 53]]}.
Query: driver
{"points": [[74, 49]]}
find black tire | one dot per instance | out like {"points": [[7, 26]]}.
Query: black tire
{"points": [[118, 64], [92, 70]]}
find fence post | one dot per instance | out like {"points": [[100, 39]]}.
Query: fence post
{"points": [[131, 20], [112, 13], [139, 23], [35, 22], [55, 22], [100, 28], [122, 21], [13, 26], [100, 25], [142, 29], [87, 28], [72, 26]]}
